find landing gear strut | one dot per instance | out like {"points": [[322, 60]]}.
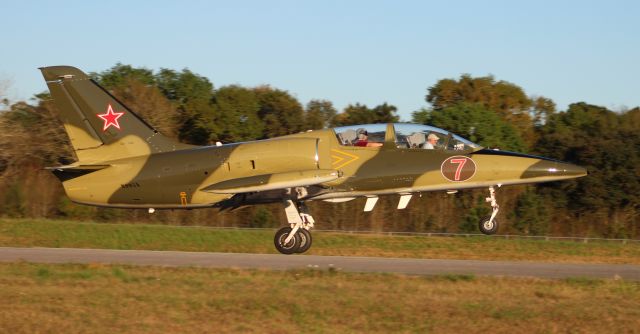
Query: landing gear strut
{"points": [[489, 225], [296, 237]]}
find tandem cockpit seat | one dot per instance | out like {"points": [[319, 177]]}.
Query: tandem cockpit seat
{"points": [[347, 137], [416, 140]]}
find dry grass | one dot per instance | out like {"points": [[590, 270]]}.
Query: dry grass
{"points": [[116, 299]]}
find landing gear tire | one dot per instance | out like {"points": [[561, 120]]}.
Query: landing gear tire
{"points": [[487, 226], [305, 240], [286, 248]]}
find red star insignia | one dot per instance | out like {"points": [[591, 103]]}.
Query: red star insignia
{"points": [[110, 118]]}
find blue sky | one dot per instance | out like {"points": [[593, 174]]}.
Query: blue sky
{"points": [[344, 51]]}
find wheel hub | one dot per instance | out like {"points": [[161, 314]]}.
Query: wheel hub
{"points": [[288, 245], [488, 225]]}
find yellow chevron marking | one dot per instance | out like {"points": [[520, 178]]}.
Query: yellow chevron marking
{"points": [[337, 160], [342, 156]]}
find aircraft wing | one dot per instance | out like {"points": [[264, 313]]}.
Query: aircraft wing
{"points": [[273, 181]]}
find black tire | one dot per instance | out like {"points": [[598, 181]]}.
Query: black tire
{"points": [[281, 236], [305, 240], [488, 227]]}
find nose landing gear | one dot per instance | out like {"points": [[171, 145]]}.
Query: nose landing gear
{"points": [[296, 237], [489, 225]]}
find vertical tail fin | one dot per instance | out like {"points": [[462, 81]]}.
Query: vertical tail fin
{"points": [[99, 126]]}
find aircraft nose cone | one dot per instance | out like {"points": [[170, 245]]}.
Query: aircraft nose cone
{"points": [[554, 170], [572, 170]]}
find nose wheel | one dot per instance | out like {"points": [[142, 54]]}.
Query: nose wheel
{"points": [[489, 225]]}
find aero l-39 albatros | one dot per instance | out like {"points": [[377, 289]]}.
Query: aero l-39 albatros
{"points": [[123, 162]]}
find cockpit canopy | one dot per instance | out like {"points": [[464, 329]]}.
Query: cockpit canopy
{"points": [[411, 136]]}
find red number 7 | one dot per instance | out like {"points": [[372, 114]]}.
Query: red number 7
{"points": [[460, 163]]}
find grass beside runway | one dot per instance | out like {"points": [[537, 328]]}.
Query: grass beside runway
{"points": [[120, 299], [53, 233]]}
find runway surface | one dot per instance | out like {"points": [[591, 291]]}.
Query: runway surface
{"points": [[340, 263]]}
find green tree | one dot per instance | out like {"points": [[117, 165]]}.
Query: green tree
{"points": [[606, 144], [32, 135], [385, 113], [353, 114], [531, 213], [14, 204], [475, 214], [319, 114], [421, 116], [361, 114], [281, 113], [542, 109], [630, 121], [503, 97], [475, 122], [508, 100], [120, 75], [193, 97], [237, 109]]}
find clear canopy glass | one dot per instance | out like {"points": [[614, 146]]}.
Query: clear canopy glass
{"points": [[429, 137], [410, 136]]}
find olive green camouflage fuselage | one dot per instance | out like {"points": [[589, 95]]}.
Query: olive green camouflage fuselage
{"points": [[187, 178], [123, 162]]}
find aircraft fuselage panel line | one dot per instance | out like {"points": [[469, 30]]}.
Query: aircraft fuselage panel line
{"points": [[406, 266]]}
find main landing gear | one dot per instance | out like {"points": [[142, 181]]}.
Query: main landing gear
{"points": [[296, 237], [489, 225]]}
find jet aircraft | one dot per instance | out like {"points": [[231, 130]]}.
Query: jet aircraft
{"points": [[123, 162]]}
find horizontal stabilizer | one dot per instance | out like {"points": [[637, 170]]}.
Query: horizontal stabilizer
{"points": [[273, 181], [65, 173]]}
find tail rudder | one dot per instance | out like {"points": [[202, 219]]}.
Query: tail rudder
{"points": [[99, 126]]}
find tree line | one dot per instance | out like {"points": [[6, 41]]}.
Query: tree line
{"points": [[494, 113]]}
